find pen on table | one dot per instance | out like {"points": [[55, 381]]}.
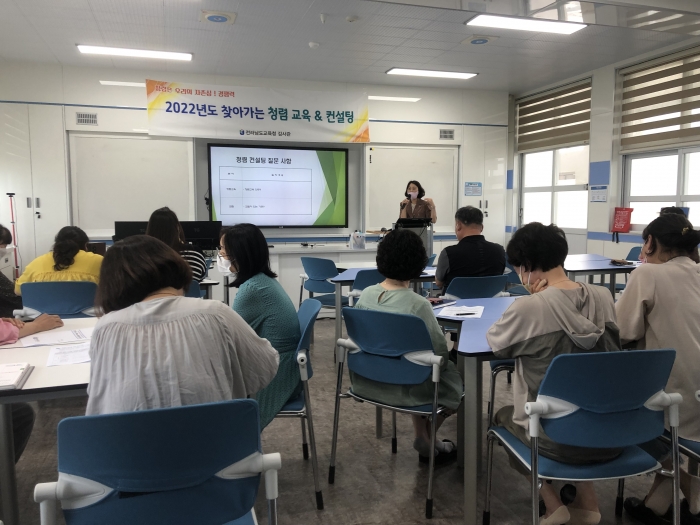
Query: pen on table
{"points": [[466, 313]]}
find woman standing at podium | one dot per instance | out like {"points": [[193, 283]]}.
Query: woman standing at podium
{"points": [[414, 206]]}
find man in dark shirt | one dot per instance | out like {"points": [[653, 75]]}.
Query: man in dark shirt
{"points": [[472, 256]]}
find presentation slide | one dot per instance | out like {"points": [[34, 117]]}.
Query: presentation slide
{"points": [[272, 187]]}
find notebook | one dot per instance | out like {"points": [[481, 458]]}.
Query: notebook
{"points": [[14, 375]]}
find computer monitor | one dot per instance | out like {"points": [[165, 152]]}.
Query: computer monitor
{"points": [[204, 234], [124, 229]]}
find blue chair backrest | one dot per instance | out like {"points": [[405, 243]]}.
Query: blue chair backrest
{"points": [[319, 271], [633, 255], [431, 259], [194, 290], [161, 464], [64, 298], [610, 389], [384, 339], [308, 311], [477, 287], [367, 278]]}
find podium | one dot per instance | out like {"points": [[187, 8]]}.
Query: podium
{"points": [[421, 227]]}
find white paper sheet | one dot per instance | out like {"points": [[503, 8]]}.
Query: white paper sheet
{"points": [[69, 354], [462, 312], [57, 337]]}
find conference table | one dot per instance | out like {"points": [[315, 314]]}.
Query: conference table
{"points": [[591, 264], [472, 351], [44, 382]]}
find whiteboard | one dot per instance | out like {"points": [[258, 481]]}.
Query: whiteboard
{"points": [[390, 169], [126, 178]]}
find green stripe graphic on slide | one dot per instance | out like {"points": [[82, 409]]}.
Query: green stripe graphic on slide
{"points": [[333, 166]]}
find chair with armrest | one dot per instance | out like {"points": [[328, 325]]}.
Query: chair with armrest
{"points": [[476, 287], [193, 464], [596, 400], [400, 353], [315, 280], [364, 279], [67, 299], [300, 406]]}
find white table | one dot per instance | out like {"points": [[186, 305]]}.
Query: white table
{"points": [[43, 383]]}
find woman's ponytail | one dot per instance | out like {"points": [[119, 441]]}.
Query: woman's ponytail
{"points": [[69, 241]]}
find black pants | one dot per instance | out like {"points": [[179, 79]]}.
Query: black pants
{"points": [[22, 424]]}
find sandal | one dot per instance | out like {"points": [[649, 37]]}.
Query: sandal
{"points": [[441, 457], [558, 517], [583, 517], [636, 508]]}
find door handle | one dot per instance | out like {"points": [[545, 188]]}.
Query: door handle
{"points": [[479, 204], [485, 207], [29, 202], [38, 215], [38, 205]]}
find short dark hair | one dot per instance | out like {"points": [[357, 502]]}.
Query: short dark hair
{"points": [[246, 244], [135, 268], [673, 210], [5, 235], [68, 242], [401, 255], [165, 226], [421, 191], [470, 215], [672, 234], [538, 247]]}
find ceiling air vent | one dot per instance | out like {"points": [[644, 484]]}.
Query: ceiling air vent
{"points": [[90, 119], [447, 134]]}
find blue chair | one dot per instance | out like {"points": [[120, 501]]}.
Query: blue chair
{"points": [[315, 281], [364, 279], [633, 255], [599, 400], [513, 284], [430, 287], [67, 299], [476, 287], [376, 349], [194, 464], [301, 406], [194, 290]]}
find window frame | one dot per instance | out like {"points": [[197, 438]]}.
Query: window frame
{"points": [[679, 198], [553, 188]]}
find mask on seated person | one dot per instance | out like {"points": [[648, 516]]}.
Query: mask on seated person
{"points": [[224, 266], [526, 286]]}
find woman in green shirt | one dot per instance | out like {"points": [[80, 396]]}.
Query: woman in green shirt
{"points": [[400, 258], [265, 306]]}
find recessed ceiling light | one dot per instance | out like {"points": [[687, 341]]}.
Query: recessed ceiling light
{"points": [[124, 84], [428, 73], [138, 53], [394, 99], [525, 24]]}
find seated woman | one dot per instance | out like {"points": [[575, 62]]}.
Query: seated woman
{"points": [[155, 348], [69, 261], [660, 309], [560, 317], [265, 306], [165, 226], [9, 300], [22, 413], [400, 258]]}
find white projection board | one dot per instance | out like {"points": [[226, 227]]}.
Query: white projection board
{"points": [[126, 178], [392, 167]]}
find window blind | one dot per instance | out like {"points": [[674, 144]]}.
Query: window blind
{"points": [[661, 104], [557, 118]]}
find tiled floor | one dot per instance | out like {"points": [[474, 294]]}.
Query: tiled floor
{"points": [[371, 485]]}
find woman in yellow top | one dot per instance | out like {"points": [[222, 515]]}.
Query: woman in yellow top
{"points": [[69, 261]]}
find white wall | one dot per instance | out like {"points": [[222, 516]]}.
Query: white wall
{"points": [[44, 99]]}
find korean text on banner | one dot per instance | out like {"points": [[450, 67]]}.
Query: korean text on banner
{"points": [[247, 113]]}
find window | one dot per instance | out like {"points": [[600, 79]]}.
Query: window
{"points": [[656, 180], [554, 187]]}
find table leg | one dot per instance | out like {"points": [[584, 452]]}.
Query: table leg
{"points": [[590, 279], [378, 422], [612, 284], [472, 437], [207, 292], [460, 417], [226, 291], [338, 312], [9, 507]]}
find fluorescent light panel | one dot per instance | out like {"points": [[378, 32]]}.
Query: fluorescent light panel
{"points": [[427, 73], [394, 99], [525, 24], [123, 84], [137, 53]]}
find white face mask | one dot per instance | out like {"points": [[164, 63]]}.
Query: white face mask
{"points": [[413, 194], [224, 265], [526, 286]]}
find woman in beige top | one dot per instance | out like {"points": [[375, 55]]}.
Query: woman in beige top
{"points": [[660, 308], [414, 206]]}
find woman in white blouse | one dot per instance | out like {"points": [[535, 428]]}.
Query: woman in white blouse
{"points": [[155, 348], [660, 308]]}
